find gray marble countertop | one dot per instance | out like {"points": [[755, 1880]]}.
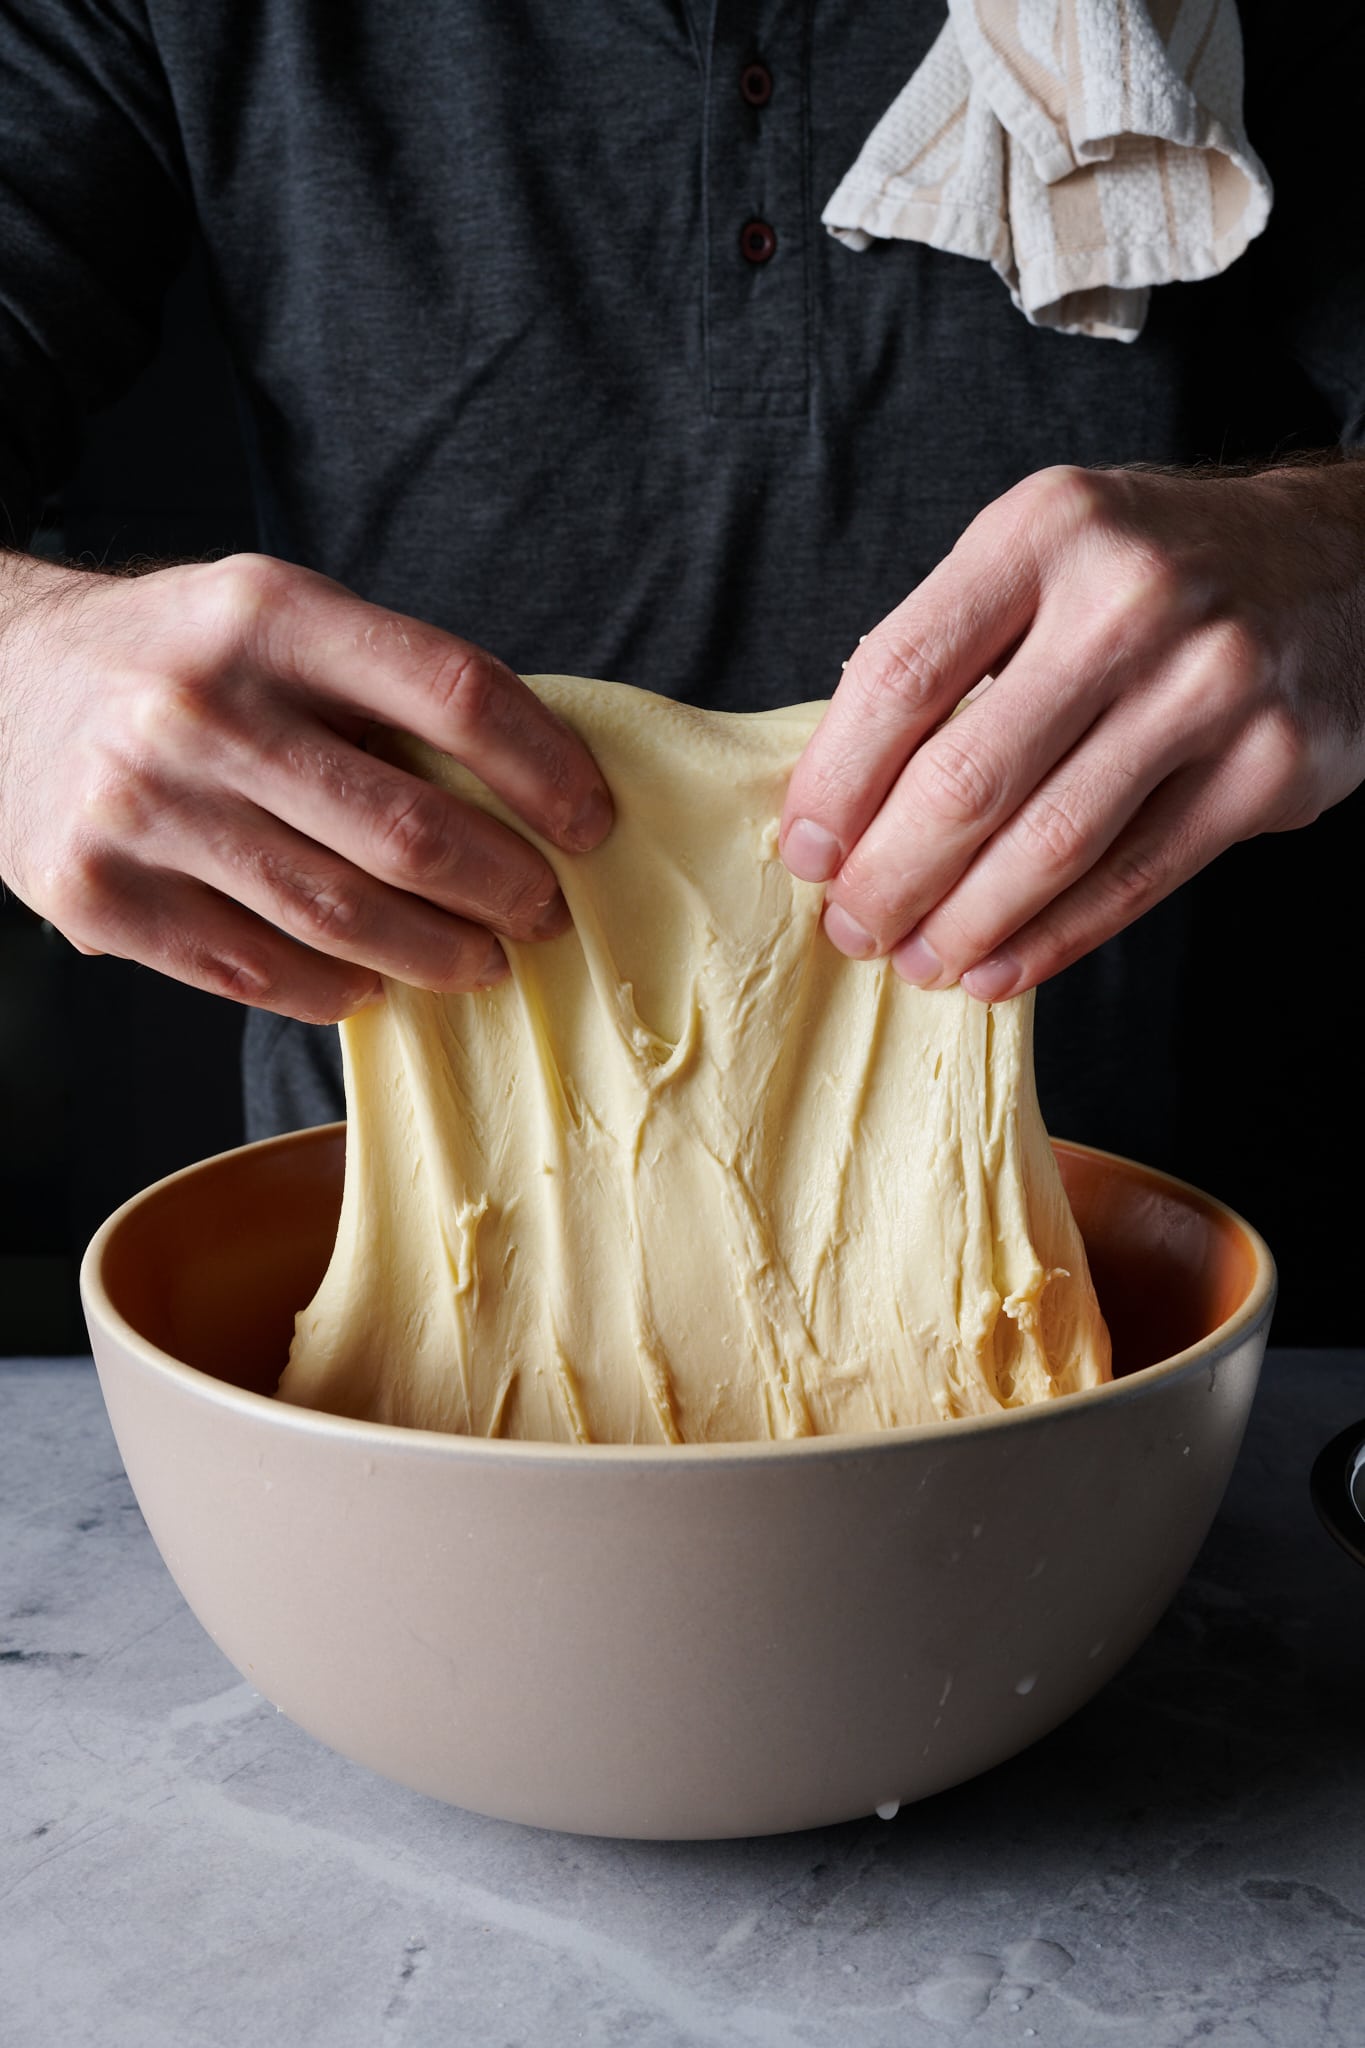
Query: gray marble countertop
{"points": [[1183, 1862]]}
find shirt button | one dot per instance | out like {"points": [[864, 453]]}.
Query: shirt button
{"points": [[756, 84], [757, 241]]}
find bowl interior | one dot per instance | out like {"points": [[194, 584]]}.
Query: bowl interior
{"points": [[212, 1265]]}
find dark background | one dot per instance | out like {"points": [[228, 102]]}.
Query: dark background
{"points": [[111, 1076]]}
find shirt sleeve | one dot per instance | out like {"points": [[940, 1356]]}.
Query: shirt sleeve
{"points": [[94, 223]]}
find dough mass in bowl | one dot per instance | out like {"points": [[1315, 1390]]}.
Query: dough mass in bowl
{"points": [[689, 1175]]}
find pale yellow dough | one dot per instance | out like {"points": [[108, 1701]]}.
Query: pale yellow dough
{"points": [[689, 1175]]}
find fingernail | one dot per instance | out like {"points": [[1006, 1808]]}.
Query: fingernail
{"points": [[553, 921], [847, 934], [497, 970], [364, 998], [993, 979], [811, 853], [590, 825], [915, 960]]}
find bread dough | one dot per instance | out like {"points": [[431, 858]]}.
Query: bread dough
{"points": [[689, 1175]]}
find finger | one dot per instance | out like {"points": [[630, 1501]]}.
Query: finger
{"points": [[1084, 655], [960, 787], [1062, 828], [332, 907], [390, 824], [380, 664], [990, 822], [1192, 818], [1193, 709], [902, 681], [197, 936]]}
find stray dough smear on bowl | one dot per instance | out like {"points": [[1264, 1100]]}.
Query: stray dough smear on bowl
{"points": [[689, 1175]]}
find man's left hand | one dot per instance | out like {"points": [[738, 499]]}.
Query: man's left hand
{"points": [[1178, 664]]}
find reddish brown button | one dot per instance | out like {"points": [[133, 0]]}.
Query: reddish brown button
{"points": [[757, 241], [756, 84]]}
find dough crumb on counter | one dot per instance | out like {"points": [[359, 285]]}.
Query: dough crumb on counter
{"points": [[689, 1175]]}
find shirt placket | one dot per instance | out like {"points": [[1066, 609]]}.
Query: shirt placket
{"points": [[758, 225]]}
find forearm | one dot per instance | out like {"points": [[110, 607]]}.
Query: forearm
{"points": [[23, 576]]}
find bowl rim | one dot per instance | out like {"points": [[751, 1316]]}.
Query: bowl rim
{"points": [[1244, 1323]]}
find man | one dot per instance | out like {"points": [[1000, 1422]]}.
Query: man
{"points": [[523, 383]]}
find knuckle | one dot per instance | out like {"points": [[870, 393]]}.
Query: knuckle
{"points": [[1137, 877], [232, 602], [464, 687], [830, 789], [1223, 687], [80, 890], [245, 586], [1217, 705], [1285, 741], [326, 909], [1232, 667], [1151, 591], [242, 978], [416, 840], [899, 678], [1051, 835], [167, 712], [960, 784], [256, 976], [1066, 495], [1281, 770], [116, 802]]}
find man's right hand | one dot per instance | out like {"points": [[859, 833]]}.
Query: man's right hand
{"points": [[184, 782]]}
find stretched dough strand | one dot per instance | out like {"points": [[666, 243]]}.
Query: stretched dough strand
{"points": [[689, 1175]]}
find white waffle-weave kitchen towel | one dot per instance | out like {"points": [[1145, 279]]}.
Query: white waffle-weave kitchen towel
{"points": [[1086, 149]]}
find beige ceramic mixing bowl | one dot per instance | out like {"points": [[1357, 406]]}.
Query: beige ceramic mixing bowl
{"points": [[666, 1642]]}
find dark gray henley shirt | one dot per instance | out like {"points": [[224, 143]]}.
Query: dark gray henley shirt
{"points": [[505, 364]]}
